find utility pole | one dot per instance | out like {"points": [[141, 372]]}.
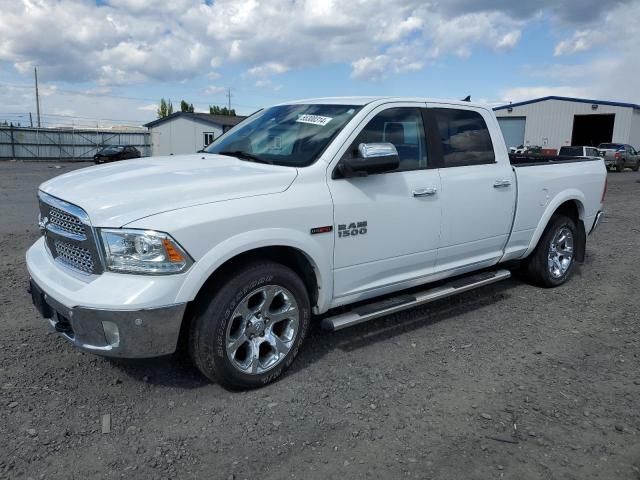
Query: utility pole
{"points": [[31, 119], [229, 98], [35, 71]]}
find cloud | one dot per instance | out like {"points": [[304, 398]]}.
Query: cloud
{"points": [[151, 107], [124, 42], [267, 83], [269, 68], [382, 66], [573, 11], [580, 42], [68, 109], [611, 70], [509, 40], [121, 42], [519, 94], [214, 90]]}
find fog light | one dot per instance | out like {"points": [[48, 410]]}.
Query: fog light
{"points": [[111, 333]]}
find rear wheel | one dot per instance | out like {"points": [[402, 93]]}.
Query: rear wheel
{"points": [[552, 261], [250, 331]]}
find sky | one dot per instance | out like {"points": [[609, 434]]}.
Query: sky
{"points": [[108, 62]]}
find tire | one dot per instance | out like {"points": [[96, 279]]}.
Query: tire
{"points": [[550, 265], [250, 330]]}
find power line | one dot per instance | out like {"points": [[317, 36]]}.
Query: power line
{"points": [[123, 97], [76, 116]]}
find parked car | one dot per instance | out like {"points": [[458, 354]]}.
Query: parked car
{"points": [[619, 156], [300, 209], [579, 152], [112, 153]]}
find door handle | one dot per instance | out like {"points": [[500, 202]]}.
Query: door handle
{"points": [[503, 183], [425, 192]]}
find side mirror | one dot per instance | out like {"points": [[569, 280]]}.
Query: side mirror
{"points": [[372, 158]]}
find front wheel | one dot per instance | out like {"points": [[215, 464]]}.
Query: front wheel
{"points": [[249, 332], [552, 261]]}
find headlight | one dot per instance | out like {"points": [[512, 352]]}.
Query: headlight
{"points": [[143, 251]]}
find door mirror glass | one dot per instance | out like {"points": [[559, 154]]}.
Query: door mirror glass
{"points": [[372, 158]]}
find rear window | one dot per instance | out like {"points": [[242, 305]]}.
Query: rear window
{"points": [[611, 146], [592, 152], [465, 137], [112, 149], [571, 151]]}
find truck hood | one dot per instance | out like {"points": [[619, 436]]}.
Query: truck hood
{"points": [[119, 193]]}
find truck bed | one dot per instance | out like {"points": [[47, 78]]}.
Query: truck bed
{"points": [[540, 192], [519, 160]]}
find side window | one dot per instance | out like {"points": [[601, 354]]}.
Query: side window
{"points": [[208, 138], [404, 128], [465, 137]]}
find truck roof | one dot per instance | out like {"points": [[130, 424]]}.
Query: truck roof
{"points": [[364, 100]]}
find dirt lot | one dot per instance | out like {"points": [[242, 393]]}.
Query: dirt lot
{"points": [[430, 393]]}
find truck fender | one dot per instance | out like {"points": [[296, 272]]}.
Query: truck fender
{"points": [[562, 197], [244, 242]]}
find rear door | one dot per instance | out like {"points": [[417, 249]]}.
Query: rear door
{"points": [[632, 156], [478, 191], [387, 225]]}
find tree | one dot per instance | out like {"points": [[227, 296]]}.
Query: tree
{"points": [[216, 110], [186, 107], [165, 108]]}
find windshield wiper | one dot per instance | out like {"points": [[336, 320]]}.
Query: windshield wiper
{"points": [[245, 156]]}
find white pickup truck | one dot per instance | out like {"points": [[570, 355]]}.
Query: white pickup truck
{"points": [[301, 208]]}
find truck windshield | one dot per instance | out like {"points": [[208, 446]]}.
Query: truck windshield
{"points": [[290, 135]]}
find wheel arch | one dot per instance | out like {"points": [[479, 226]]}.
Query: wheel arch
{"points": [[288, 256], [291, 248], [315, 276], [572, 205]]}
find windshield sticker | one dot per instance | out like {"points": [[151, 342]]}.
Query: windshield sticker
{"points": [[276, 142], [314, 119]]}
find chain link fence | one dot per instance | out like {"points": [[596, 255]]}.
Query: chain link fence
{"points": [[24, 143]]}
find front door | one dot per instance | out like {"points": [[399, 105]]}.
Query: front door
{"points": [[387, 226]]}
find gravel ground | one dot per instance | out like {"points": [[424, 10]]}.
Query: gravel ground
{"points": [[436, 392]]}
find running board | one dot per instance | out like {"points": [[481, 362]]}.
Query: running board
{"points": [[403, 302]]}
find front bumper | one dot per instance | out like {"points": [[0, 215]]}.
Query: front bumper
{"points": [[141, 333], [112, 314]]}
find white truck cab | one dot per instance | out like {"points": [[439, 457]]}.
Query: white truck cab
{"points": [[301, 208]]}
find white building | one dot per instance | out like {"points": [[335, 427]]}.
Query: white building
{"points": [[184, 132], [553, 122]]}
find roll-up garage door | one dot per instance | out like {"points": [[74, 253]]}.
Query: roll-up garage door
{"points": [[513, 130]]}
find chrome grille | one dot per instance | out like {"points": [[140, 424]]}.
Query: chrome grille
{"points": [[69, 235], [65, 221], [73, 255]]}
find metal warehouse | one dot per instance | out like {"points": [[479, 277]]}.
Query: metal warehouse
{"points": [[554, 122], [186, 132]]}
